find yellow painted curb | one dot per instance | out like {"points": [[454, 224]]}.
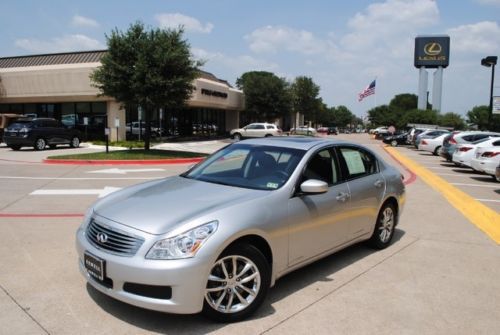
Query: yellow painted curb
{"points": [[480, 215]]}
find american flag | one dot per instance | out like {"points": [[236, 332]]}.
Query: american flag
{"points": [[369, 90]]}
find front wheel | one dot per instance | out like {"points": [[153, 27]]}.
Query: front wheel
{"points": [[384, 228], [15, 147], [237, 284], [40, 144], [237, 137]]}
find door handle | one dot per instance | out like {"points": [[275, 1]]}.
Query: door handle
{"points": [[378, 183], [342, 197]]}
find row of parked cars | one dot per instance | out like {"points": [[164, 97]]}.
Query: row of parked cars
{"points": [[478, 150]]}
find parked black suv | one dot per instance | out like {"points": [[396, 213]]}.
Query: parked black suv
{"points": [[39, 133]]}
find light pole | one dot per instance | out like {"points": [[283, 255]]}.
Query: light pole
{"points": [[490, 61]]}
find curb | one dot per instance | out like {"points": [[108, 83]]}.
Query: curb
{"points": [[412, 177], [483, 217], [124, 162]]}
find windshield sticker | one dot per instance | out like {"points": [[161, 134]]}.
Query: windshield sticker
{"points": [[272, 185]]}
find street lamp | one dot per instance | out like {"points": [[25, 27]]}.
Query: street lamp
{"points": [[490, 61]]}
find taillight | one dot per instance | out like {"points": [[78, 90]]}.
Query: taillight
{"points": [[423, 142], [464, 149], [489, 154]]}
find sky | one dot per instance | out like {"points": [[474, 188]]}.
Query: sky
{"points": [[341, 45]]}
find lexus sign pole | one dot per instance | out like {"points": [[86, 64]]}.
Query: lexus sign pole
{"points": [[431, 52]]}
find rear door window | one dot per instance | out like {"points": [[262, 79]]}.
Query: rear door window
{"points": [[357, 162]]}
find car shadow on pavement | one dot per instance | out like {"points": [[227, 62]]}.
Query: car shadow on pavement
{"points": [[319, 271]]}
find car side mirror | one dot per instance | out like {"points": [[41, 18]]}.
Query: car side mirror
{"points": [[314, 186]]}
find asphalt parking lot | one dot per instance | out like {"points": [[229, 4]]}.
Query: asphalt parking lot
{"points": [[439, 276]]}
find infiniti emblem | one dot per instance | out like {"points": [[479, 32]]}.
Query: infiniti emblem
{"points": [[102, 238]]}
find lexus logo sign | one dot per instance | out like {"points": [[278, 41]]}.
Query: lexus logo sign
{"points": [[432, 51]]}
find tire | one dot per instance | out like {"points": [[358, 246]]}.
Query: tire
{"points": [[268, 135], [237, 137], [384, 228], [40, 144], [75, 142], [15, 147], [394, 143], [223, 297], [435, 153]]}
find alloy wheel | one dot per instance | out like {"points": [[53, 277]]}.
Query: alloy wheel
{"points": [[386, 225], [233, 284]]}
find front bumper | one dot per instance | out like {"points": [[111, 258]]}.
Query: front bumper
{"points": [[187, 278]]}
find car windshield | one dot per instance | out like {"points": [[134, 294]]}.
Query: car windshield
{"points": [[249, 166], [21, 124]]}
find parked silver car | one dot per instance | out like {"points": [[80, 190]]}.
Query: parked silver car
{"points": [[217, 237]]}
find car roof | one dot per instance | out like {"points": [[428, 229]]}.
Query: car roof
{"points": [[294, 142]]}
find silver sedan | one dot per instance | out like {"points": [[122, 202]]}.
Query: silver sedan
{"points": [[217, 237]]}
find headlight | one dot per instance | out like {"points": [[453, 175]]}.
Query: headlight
{"points": [[184, 245]]}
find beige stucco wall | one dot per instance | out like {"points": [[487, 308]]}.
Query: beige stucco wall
{"points": [[71, 83], [54, 83]]}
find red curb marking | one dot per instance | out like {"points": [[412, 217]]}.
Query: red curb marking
{"points": [[20, 215], [413, 176], [124, 162]]}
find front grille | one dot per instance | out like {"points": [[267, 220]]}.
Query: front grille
{"points": [[113, 240]]}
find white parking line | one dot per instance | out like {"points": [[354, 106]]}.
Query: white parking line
{"points": [[86, 178], [488, 200], [456, 174], [476, 185]]}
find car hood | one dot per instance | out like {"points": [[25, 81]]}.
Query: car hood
{"points": [[159, 206]]}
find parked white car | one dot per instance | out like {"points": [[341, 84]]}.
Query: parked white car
{"points": [[465, 152], [432, 144], [256, 130], [303, 130], [487, 159]]}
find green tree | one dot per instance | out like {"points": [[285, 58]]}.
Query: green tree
{"points": [[479, 116], [305, 97], [451, 120], [342, 116], [148, 68], [427, 116], [404, 102], [267, 96], [385, 115]]}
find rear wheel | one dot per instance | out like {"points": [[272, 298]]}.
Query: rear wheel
{"points": [[394, 143], [268, 135], [15, 147], [435, 153], [384, 228], [75, 142], [237, 284], [40, 144]]}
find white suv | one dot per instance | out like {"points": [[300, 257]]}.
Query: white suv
{"points": [[256, 130]]}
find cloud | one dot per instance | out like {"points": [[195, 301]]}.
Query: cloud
{"points": [[383, 23], [271, 39], [235, 64], [65, 43], [84, 22], [479, 38], [190, 24]]}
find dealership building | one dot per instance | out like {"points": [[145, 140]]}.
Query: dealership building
{"points": [[59, 86]]}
